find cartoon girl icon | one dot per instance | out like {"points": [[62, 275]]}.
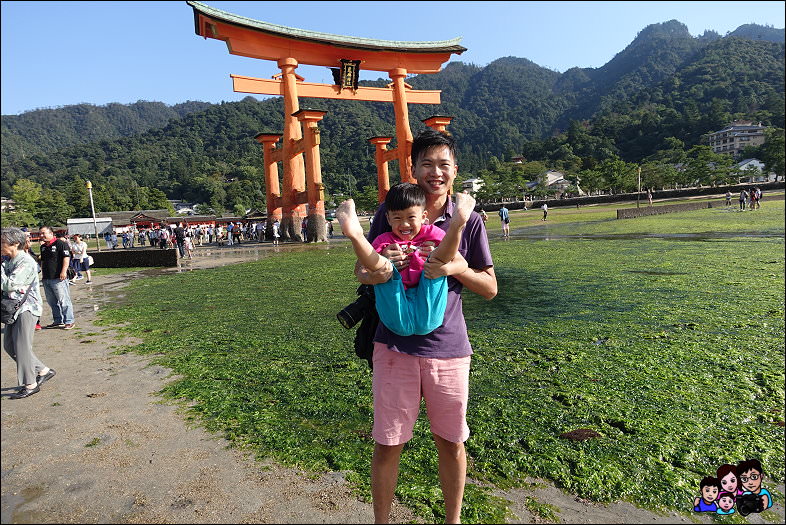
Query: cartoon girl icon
{"points": [[727, 475], [725, 503]]}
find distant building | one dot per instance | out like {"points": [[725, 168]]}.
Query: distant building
{"points": [[472, 185], [737, 136], [86, 226], [123, 221], [6, 204], [755, 171], [554, 181], [182, 207]]}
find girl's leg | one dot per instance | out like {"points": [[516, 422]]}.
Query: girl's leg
{"points": [[448, 246], [427, 303], [394, 305], [350, 225]]}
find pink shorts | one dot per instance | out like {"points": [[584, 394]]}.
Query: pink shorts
{"points": [[401, 380]]}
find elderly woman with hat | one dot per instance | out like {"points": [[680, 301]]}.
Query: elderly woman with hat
{"points": [[20, 275]]}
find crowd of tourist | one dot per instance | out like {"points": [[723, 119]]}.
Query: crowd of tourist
{"points": [[186, 237], [750, 198]]}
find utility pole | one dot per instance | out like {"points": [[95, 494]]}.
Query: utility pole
{"points": [[93, 209], [638, 195]]}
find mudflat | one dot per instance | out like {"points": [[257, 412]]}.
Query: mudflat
{"points": [[98, 445]]}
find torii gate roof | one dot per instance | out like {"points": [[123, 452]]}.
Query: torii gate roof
{"points": [[257, 39]]}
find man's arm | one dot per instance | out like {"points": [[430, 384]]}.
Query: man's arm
{"points": [[64, 271], [482, 282]]}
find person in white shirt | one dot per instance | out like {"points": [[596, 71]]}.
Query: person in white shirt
{"points": [[79, 254]]}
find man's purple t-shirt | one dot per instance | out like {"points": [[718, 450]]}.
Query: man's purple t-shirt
{"points": [[450, 339]]}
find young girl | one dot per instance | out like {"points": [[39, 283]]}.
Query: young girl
{"points": [[276, 232], [408, 304], [188, 245]]}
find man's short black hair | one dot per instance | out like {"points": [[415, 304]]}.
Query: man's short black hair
{"points": [[748, 464], [405, 195], [431, 138]]}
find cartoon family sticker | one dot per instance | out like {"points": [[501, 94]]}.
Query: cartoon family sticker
{"points": [[734, 489]]}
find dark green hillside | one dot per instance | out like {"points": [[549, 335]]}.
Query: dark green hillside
{"points": [[730, 78], [656, 53], [46, 130], [757, 32]]}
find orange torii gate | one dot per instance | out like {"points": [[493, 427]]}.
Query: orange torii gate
{"points": [[289, 47]]}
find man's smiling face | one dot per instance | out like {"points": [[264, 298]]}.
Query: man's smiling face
{"points": [[436, 170]]}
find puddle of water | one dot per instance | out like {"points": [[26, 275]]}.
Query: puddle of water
{"points": [[12, 501]]}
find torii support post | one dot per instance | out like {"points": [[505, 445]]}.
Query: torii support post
{"points": [[437, 122], [315, 229], [383, 178], [270, 158]]}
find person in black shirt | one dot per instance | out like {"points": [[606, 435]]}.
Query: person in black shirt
{"points": [[180, 238], [55, 257]]}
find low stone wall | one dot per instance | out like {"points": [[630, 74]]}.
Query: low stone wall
{"points": [[630, 213], [628, 197], [135, 258]]}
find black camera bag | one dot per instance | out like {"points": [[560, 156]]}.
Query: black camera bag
{"points": [[364, 337]]}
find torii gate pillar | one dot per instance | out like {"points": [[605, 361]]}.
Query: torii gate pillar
{"points": [[403, 133], [437, 122], [294, 177]]}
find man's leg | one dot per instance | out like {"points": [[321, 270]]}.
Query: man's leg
{"points": [[445, 384], [384, 476], [452, 476], [396, 385], [64, 302], [51, 299]]}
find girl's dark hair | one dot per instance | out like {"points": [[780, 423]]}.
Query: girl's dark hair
{"points": [[405, 195], [724, 470]]}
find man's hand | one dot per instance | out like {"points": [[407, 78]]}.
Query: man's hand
{"points": [[426, 248], [382, 275], [433, 269]]}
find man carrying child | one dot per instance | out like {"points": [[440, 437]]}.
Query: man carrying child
{"points": [[434, 366]]}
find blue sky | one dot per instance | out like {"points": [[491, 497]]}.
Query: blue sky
{"points": [[61, 53]]}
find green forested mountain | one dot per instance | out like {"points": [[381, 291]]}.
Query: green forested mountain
{"points": [[665, 88], [46, 130], [757, 32]]}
